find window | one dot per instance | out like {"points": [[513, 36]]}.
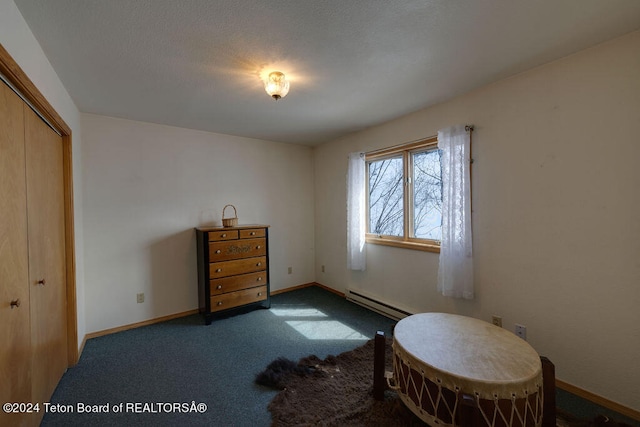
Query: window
{"points": [[404, 196]]}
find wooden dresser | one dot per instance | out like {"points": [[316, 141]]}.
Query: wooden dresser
{"points": [[233, 269]]}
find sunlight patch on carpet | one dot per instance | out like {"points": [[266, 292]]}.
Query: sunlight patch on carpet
{"points": [[297, 312], [325, 330]]}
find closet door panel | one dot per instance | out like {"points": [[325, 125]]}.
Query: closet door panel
{"points": [[47, 281], [15, 341]]}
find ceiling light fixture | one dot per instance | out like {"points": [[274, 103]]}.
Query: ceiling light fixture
{"points": [[277, 86]]}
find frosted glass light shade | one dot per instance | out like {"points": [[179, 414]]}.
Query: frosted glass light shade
{"points": [[277, 86]]}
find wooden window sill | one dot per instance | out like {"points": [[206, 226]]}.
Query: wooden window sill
{"points": [[407, 244]]}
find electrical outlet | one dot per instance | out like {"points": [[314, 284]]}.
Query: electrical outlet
{"points": [[521, 331], [140, 298], [290, 270], [496, 320], [323, 268]]}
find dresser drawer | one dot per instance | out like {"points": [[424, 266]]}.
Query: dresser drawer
{"points": [[234, 249], [231, 268], [252, 232], [215, 236], [238, 298], [234, 283]]}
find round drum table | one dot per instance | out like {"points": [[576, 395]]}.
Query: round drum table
{"points": [[445, 364]]}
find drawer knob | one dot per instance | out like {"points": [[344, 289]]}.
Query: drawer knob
{"points": [[218, 251], [259, 279], [258, 247], [259, 264], [224, 235], [259, 294], [219, 302], [218, 270], [253, 233], [219, 287]]}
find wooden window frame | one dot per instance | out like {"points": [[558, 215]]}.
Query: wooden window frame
{"points": [[405, 241]]}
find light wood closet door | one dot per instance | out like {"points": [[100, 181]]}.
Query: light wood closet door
{"points": [[15, 337], [47, 281]]}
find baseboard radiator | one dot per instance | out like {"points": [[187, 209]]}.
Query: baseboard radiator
{"points": [[376, 304]]}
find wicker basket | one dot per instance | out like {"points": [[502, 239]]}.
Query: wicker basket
{"points": [[230, 222]]}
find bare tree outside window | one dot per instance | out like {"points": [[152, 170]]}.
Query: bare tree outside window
{"points": [[386, 203], [387, 216], [427, 195]]}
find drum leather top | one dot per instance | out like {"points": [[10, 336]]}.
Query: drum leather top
{"points": [[468, 348]]}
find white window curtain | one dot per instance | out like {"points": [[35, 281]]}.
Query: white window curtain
{"points": [[455, 273], [356, 213]]}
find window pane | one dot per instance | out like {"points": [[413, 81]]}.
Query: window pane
{"points": [[427, 195], [386, 214]]}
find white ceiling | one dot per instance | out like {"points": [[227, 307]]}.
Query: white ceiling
{"points": [[352, 63]]}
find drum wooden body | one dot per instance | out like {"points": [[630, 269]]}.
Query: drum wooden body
{"points": [[444, 363]]}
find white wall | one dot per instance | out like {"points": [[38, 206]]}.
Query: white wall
{"points": [[556, 208], [556, 214], [17, 39], [147, 186]]}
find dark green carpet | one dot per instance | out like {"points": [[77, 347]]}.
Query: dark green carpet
{"points": [[182, 361]]}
